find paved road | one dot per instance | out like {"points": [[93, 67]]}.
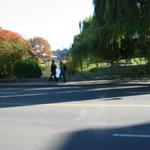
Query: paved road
{"points": [[100, 117]]}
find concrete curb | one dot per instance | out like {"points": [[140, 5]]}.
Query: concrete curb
{"points": [[75, 83]]}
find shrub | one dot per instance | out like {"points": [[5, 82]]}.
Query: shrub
{"points": [[27, 69]]}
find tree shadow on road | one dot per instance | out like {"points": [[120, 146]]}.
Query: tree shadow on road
{"points": [[36, 96], [134, 137]]}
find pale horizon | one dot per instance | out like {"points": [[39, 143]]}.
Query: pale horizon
{"points": [[56, 21]]}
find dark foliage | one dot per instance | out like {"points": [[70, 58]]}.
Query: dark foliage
{"points": [[27, 69]]}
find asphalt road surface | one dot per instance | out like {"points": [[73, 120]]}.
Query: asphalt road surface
{"points": [[97, 117]]}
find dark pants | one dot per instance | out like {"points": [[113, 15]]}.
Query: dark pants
{"points": [[62, 77], [53, 74]]}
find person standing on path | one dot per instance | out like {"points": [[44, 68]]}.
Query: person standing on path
{"points": [[53, 70], [63, 70]]}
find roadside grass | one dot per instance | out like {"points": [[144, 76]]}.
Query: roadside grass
{"points": [[113, 72], [134, 61], [136, 69]]}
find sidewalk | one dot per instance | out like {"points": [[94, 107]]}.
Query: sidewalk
{"points": [[75, 83]]}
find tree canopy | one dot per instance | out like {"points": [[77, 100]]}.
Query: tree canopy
{"points": [[41, 49], [118, 29], [12, 48]]}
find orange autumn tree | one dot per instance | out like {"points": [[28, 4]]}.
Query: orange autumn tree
{"points": [[40, 49], [12, 48]]}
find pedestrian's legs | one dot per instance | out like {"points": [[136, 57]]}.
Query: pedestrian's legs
{"points": [[55, 77], [64, 77], [60, 76]]}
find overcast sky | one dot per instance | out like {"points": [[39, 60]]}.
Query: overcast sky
{"points": [[55, 20]]}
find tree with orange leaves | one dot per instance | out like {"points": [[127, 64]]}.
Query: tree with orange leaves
{"points": [[40, 49], [12, 48]]}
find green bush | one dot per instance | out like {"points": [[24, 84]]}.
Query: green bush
{"points": [[132, 71], [27, 69]]}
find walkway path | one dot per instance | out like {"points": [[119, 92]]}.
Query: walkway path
{"points": [[74, 83]]}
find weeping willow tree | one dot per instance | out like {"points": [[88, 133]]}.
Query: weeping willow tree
{"points": [[85, 46], [118, 29], [79, 51], [123, 24]]}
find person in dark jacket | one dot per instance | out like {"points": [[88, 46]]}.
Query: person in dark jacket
{"points": [[63, 70], [53, 70]]}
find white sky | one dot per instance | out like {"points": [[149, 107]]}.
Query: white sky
{"points": [[55, 20]]}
